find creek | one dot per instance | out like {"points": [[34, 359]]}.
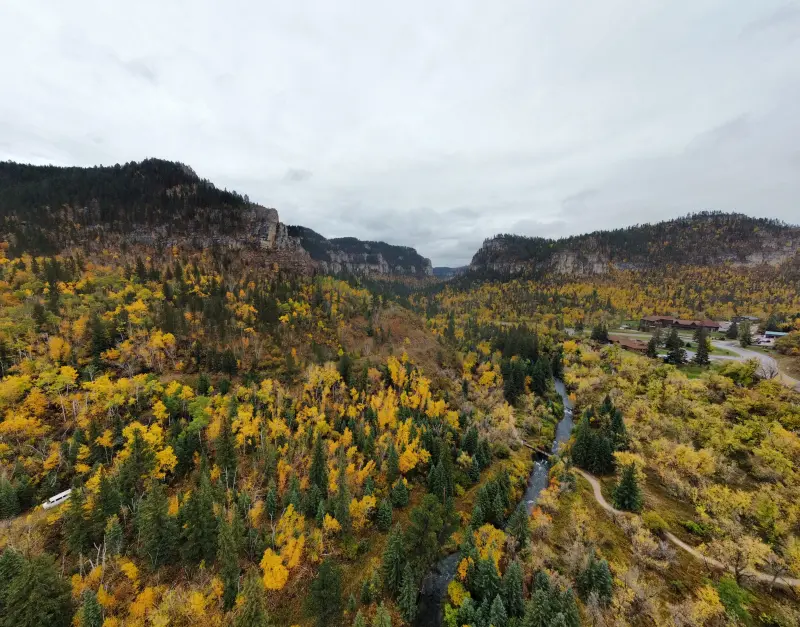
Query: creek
{"points": [[433, 590]]}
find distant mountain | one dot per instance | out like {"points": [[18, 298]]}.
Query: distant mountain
{"points": [[707, 238], [47, 209], [443, 272], [348, 254]]}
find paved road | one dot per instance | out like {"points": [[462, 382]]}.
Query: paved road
{"points": [[786, 582], [768, 364]]}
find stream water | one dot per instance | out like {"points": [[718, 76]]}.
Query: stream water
{"points": [[434, 586]]}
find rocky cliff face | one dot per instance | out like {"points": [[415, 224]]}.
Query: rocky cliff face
{"points": [[700, 239], [354, 256], [296, 246], [47, 209]]}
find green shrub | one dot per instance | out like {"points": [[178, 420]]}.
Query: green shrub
{"points": [[734, 598], [697, 529], [655, 523]]}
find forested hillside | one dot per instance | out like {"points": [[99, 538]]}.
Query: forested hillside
{"points": [[45, 208], [248, 443], [701, 239], [48, 209]]}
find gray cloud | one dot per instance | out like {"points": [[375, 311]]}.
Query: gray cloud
{"points": [[430, 126], [297, 175]]}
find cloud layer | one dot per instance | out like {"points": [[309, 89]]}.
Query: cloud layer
{"points": [[433, 125]]}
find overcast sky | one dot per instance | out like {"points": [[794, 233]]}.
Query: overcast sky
{"points": [[433, 124]]}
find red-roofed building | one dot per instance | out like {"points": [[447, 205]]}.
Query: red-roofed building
{"points": [[629, 343]]}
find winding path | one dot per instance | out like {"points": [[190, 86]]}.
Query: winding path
{"points": [[787, 582]]}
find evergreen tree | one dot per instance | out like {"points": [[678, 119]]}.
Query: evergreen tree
{"points": [[470, 444], [392, 465], [484, 454], [540, 376], [225, 449], [318, 474], [498, 616], [518, 525], [11, 563], [382, 617], [569, 609], [106, 504], [91, 614], [228, 557], [733, 331], [557, 362], [676, 354], [407, 601], [9, 503], [253, 611], [602, 456], [75, 528], [325, 597], [512, 590], [157, 530], [360, 621], [113, 536], [701, 356], [600, 333], [38, 596], [436, 482], [466, 613], [394, 561], [486, 582], [596, 577], [652, 348], [627, 493], [581, 447], [399, 494], [342, 504], [422, 535], [383, 518], [745, 337], [619, 433], [200, 523], [135, 467], [478, 517], [474, 471]]}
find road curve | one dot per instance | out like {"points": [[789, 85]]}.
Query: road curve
{"points": [[769, 364], [786, 582]]}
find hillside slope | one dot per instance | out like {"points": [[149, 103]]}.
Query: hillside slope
{"points": [[699, 239], [162, 203]]}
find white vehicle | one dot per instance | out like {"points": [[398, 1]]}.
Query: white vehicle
{"points": [[58, 499]]}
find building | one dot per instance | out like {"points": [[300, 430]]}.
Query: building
{"points": [[652, 322], [775, 334], [628, 343], [693, 325]]}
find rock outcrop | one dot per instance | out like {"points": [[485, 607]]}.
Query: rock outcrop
{"points": [[159, 203], [703, 239]]}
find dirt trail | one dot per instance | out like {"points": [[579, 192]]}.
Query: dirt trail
{"points": [[787, 582]]}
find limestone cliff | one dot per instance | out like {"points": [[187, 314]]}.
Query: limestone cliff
{"points": [[698, 239], [354, 256], [48, 209]]}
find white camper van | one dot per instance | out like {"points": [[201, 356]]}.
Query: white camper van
{"points": [[56, 500]]}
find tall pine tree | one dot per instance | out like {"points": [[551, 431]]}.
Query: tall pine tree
{"points": [[627, 493]]}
